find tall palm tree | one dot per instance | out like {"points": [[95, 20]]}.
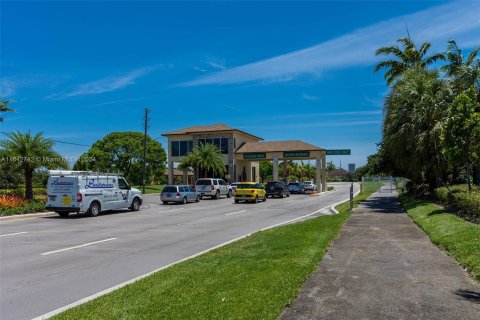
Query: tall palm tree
{"points": [[405, 58], [464, 72], [4, 107], [31, 152], [415, 111], [205, 157]]}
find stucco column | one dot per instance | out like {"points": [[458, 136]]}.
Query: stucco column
{"points": [[318, 177], [324, 172], [170, 172], [275, 168]]}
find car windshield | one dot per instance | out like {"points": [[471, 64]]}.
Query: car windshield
{"points": [[204, 182], [272, 183], [250, 186], [170, 189], [246, 186], [293, 184]]}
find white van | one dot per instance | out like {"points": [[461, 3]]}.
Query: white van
{"points": [[89, 192]]}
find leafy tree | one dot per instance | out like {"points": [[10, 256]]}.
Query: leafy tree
{"points": [[266, 169], [462, 134], [205, 157], [404, 58], [31, 152], [123, 152], [465, 72], [4, 107]]}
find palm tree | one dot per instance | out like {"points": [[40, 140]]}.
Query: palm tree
{"points": [[415, 110], [4, 107], [464, 72], [407, 57], [205, 157], [31, 152], [330, 167]]}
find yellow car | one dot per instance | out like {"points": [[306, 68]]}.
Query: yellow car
{"points": [[250, 191]]}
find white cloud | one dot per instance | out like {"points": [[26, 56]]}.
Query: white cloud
{"points": [[459, 20], [7, 87], [310, 97], [104, 85]]}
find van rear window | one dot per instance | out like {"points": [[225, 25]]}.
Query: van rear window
{"points": [[204, 182], [170, 189]]}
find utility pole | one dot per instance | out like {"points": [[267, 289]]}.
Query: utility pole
{"points": [[145, 149]]}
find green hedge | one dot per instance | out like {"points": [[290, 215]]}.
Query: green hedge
{"points": [[34, 206], [21, 191], [466, 205]]}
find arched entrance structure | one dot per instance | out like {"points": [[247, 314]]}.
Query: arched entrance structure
{"points": [[242, 152]]}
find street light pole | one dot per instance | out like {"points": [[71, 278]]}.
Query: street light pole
{"points": [[144, 176]]}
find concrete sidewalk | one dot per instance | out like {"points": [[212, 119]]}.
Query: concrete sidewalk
{"points": [[382, 266]]}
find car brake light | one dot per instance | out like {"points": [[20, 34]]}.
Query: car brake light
{"points": [[253, 191], [178, 194], [213, 187], [79, 197]]}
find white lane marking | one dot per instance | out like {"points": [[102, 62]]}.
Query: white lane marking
{"points": [[121, 285], [76, 247], [13, 234], [231, 213]]}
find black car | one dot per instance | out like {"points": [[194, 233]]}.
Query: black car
{"points": [[277, 188]]}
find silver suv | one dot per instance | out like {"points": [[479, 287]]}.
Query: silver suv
{"points": [[213, 188]]}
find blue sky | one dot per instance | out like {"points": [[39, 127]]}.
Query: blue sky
{"points": [[279, 70]]}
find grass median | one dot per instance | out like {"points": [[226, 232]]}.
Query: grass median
{"points": [[459, 238], [254, 278]]}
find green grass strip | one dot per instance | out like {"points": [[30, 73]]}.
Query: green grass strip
{"points": [[459, 238], [157, 188], [254, 278]]}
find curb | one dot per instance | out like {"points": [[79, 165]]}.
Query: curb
{"points": [[27, 216]]}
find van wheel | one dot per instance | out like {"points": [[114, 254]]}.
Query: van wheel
{"points": [[135, 205], [63, 214], [184, 200], [94, 209], [229, 194], [165, 202], [217, 195], [197, 199]]}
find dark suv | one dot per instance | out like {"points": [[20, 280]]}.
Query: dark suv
{"points": [[277, 188]]}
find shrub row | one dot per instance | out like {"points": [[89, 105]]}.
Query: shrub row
{"points": [[33, 206], [21, 191], [466, 205]]}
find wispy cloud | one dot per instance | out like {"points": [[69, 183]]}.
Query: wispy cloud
{"points": [[7, 87], [309, 116], [459, 20], [310, 97], [104, 85], [320, 124]]}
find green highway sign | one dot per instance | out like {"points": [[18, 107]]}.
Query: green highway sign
{"points": [[344, 152], [254, 155], [297, 154]]}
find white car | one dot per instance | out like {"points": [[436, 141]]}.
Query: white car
{"points": [[310, 186], [89, 192], [234, 186], [213, 188]]}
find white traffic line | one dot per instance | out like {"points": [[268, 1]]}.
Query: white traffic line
{"points": [[121, 285], [76, 247], [231, 213], [13, 234]]}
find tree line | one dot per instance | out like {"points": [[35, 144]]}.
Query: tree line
{"points": [[431, 127]]}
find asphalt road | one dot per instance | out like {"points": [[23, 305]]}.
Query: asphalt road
{"points": [[49, 262]]}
